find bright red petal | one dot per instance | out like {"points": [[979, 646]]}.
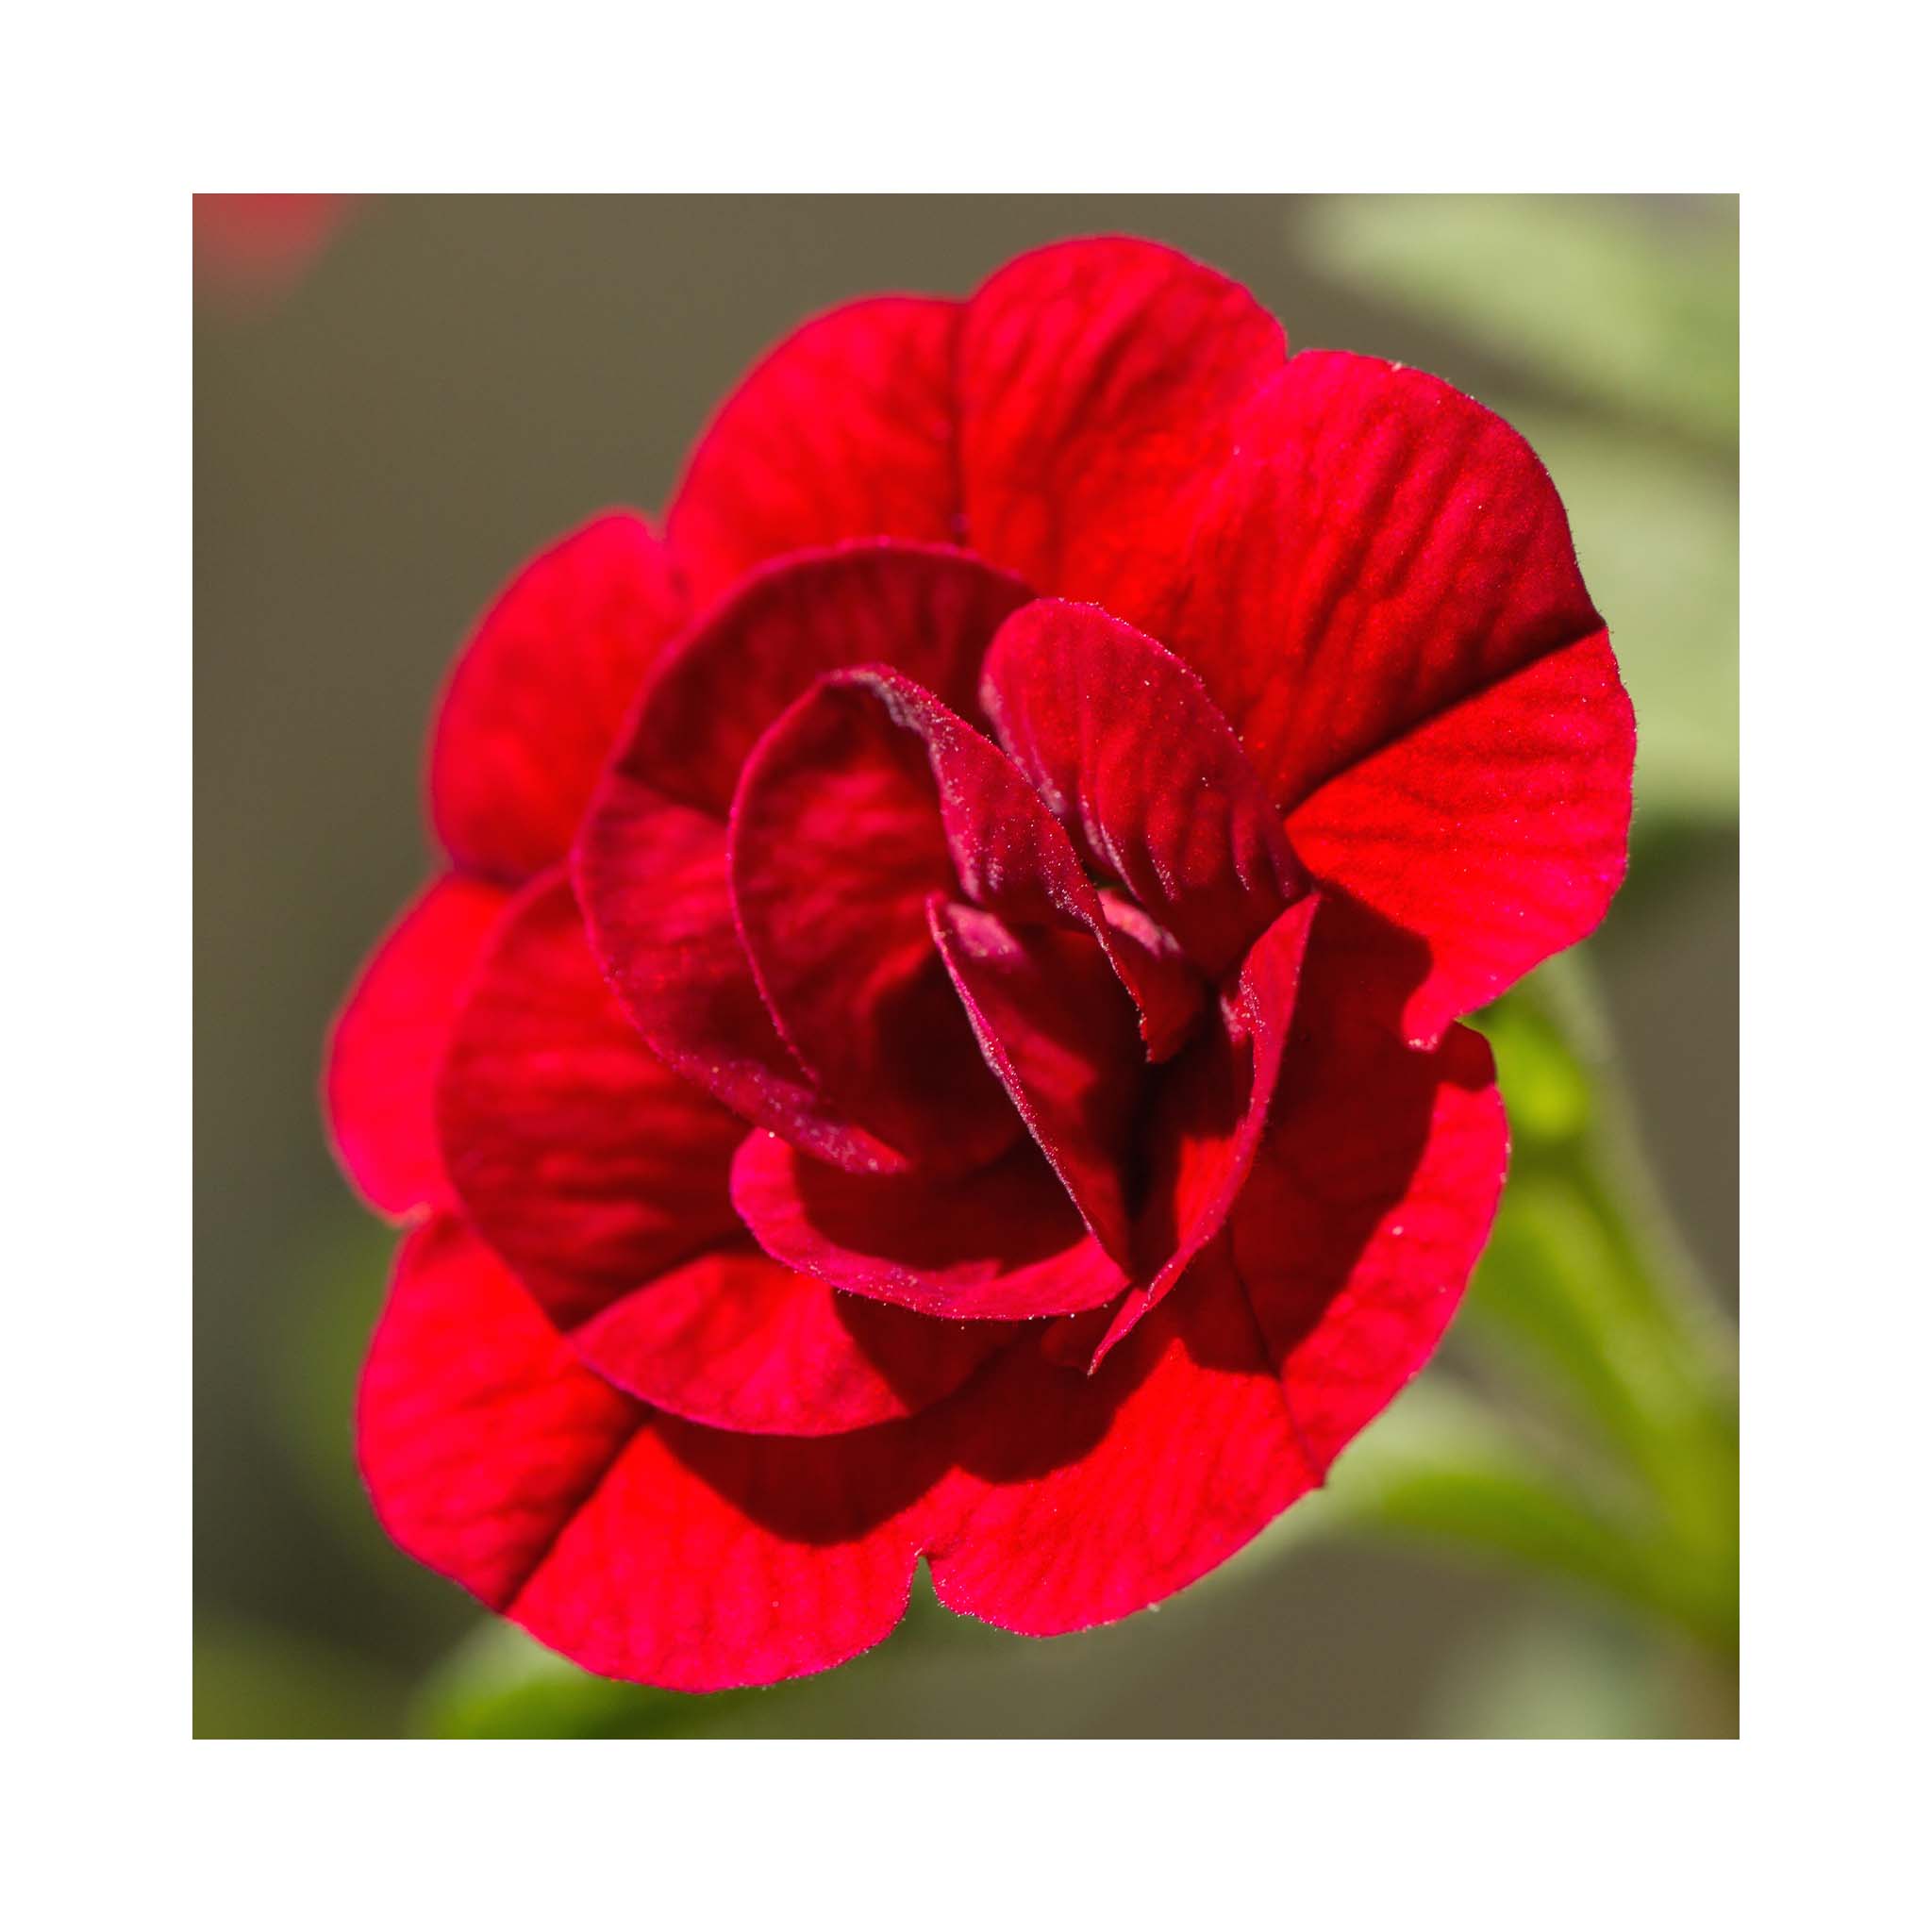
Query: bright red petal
{"points": [[1124, 743], [1079, 1499], [835, 845], [1213, 1115], [1001, 1245], [1368, 1207], [533, 706], [480, 1433], [845, 429], [1093, 376], [584, 1162], [1375, 548], [1497, 832], [736, 1341], [378, 1085], [638, 1546]]}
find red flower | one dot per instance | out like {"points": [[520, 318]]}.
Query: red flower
{"points": [[937, 1036]]}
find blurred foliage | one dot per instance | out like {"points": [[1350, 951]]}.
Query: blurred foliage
{"points": [[1581, 1426], [1627, 317], [1631, 305]]}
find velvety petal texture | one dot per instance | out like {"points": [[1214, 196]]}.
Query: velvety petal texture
{"points": [[651, 863], [582, 1159], [1122, 741], [938, 1041]]}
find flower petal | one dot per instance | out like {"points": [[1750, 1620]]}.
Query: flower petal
{"points": [[637, 1545], [1002, 1243], [1370, 1201], [379, 1081], [1093, 376], [1080, 1498], [534, 704], [736, 1341], [480, 1433], [579, 1157], [845, 429], [709, 1559], [1058, 1030], [1211, 1117], [927, 611], [835, 845], [651, 864], [1497, 831], [1122, 741], [1375, 547]]}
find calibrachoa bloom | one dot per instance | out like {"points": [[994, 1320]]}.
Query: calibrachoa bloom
{"points": [[935, 1035]]}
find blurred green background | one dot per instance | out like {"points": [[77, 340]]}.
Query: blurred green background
{"points": [[1539, 1539]]}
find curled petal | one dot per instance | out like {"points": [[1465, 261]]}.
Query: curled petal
{"points": [[845, 429], [534, 704], [1002, 1243], [1093, 376], [736, 1341], [380, 1082], [1122, 741], [585, 1162], [1056, 1026], [1213, 1116], [927, 611], [653, 877], [651, 864], [835, 845]]}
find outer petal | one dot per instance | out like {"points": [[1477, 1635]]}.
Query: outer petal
{"points": [[1214, 1117], [1079, 1499], [1122, 741], [1368, 1207], [480, 1433], [1001, 1245], [845, 429], [835, 845], [709, 1559], [737, 1341], [650, 865], [1375, 547], [378, 1084], [534, 704], [585, 1162], [1497, 832], [639, 1546], [1093, 377]]}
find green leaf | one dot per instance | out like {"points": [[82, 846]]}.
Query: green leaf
{"points": [[1634, 307]]}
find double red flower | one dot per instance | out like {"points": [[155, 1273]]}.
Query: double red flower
{"points": [[937, 1037]]}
